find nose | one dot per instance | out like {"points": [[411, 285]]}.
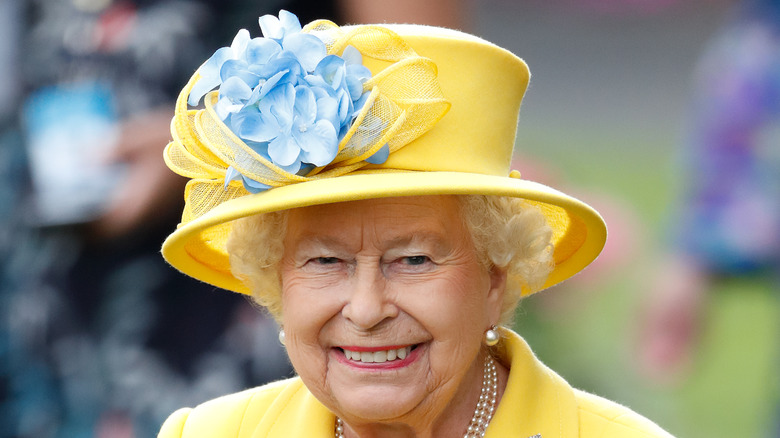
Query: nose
{"points": [[368, 304]]}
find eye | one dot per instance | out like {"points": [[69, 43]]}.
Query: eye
{"points": [[323, 264], [416, 260], [325, 260], [410, 265]]}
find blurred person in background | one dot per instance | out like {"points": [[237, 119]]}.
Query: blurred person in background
{"points": [[728, 223], [96, 335]]}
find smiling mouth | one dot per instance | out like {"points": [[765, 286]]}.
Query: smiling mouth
{"points": [[379, 356]]}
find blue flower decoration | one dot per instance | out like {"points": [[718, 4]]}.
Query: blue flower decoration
{"points": [[285, 96]]}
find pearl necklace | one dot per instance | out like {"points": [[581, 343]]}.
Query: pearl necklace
{"points": [[487, 401], [483, 413]]}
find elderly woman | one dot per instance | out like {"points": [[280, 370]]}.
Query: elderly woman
{"points": [[355, 182]]}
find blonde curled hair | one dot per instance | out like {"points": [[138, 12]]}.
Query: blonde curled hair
{"points": [[508, 233]]}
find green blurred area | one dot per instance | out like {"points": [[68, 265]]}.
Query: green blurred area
{"points": [[588, 329]]}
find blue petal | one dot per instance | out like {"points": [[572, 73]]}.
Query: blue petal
{"points": [[253, 186], [319, 144], [231, 174], [213, 65], [231, 67], [283, 62], [254, 97], [235, 89], [359, 71], [320, 92], [238, 68], [259, 147], [355, 87], [239, 43], [352, 56], [261, 50], [345, 107], [285, 119], [271, 83], [305, 105], [328, 109], [284, 150], [258, 127], [209, 75], [279, 102], [380, 156], [343, 132], [331, 68], [309, 49], [316, 81], [234, 120], [271, 27], [293, 168], [289, 22], [203, 86], [225, 107]]}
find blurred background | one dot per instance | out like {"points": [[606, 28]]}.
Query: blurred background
{"points": [[662, 114]]}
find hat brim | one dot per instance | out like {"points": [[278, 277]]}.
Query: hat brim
{"points": [[197, 247]]}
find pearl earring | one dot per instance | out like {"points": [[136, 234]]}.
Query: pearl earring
{"points": [[281, 336], [492, 336]]}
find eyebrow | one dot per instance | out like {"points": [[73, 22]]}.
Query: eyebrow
{"points": [[307, 241], [310, 241], [425, 236]]}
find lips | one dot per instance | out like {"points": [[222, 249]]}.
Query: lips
{"points": [[373, 355]]}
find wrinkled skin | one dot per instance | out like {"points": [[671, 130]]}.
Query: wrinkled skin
{"points": [[387, 273]]}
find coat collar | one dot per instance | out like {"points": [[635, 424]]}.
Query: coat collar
{"points": [[536, 401]]}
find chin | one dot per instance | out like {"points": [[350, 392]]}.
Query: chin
{"points": [[378, 404]]}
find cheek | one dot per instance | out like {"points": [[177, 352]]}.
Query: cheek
{"points": [[307, 313], [453, 312], [462, 292], [305, 300], [452, 307]]}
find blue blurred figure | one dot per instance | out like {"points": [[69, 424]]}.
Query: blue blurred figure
{"points": [[731, 219], [728, 223]]}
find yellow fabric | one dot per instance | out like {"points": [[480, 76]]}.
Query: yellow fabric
{"points": [[467, 151], [536, 401]]}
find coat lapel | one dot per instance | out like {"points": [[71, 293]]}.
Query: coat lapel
{"points": [[294, 413]]}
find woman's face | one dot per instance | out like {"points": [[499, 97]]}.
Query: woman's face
{"points": [[385, 305]]}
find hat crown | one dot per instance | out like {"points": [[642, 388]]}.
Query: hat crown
{"points": [[485, 85]]}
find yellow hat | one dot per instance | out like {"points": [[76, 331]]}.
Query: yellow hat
{"points": [[445, 102]]}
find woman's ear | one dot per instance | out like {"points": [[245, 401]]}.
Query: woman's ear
{"points": [[495, 297]]}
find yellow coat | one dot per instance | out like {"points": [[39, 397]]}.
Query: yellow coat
{"points": [[536, 402]]}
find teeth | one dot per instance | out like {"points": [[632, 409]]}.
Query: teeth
{"points": [[378, 356]]}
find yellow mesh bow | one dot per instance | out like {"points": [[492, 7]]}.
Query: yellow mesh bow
{"points": [[405, 101]]}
